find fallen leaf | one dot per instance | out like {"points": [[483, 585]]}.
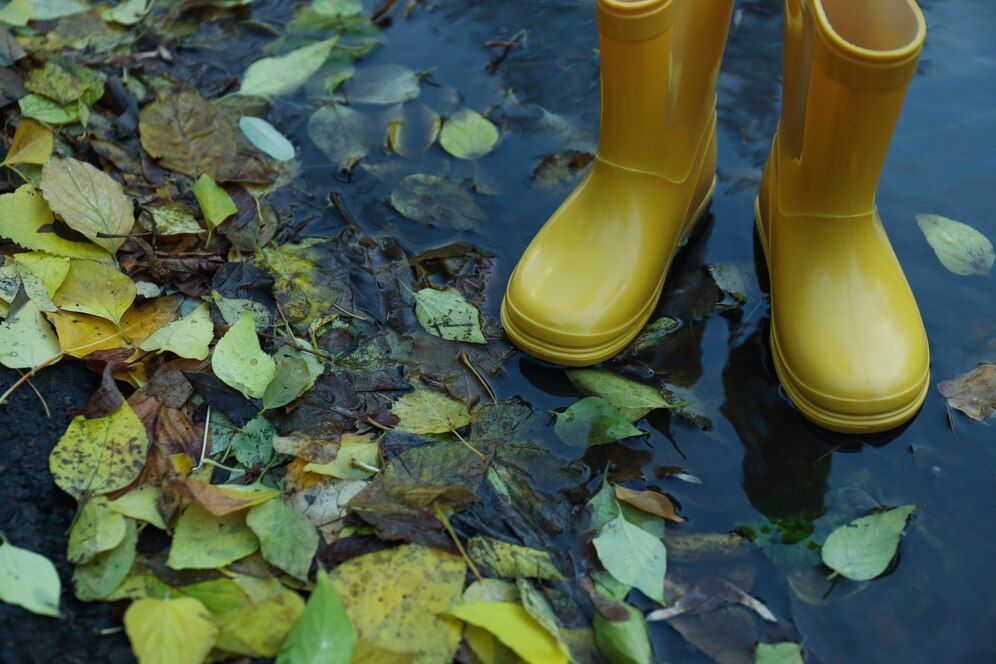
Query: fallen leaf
{"points": [[623, 640], [447, 314], [342, 133], [343, 466], [514, 627], [973, 393], [82, 334], [204, 541], [468, 135], [50, 270], [88, 200], [383, 84], [47, 111], [100, 577], [654, 334], [95, 288], [220, 499], [28, 580], [253, 443], [960, 248], [239, 361], [324, 634], [140, 503], [170, 631], [95, 530], [862, 549], [785, 652], [511, 561], [216, 204], [428, 411], [633, 557], [293, 377], [560, 168], [436, 201], [96, 456], [593, 421], [174, 221], [258, 628], [24, 212], [287, 539], [633, 399], [188, 337], [282, 75], [265, 137], [651, 502], [32, 144], [26, 338]]}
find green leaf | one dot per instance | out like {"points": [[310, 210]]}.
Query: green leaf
{"points": [[293, 377], [47, 10], [170, 631], [100, 577], [26, 338], [96, 456], [383, 84], [960, 248], [45, 110], [216, 204], [239, 361], [253, 443], [427, 411], [204, 541], [127, 12], [187, 337], [324, 634], [88, 200], [342, 133], [447, 314], [95, 530], [436, 201], [623, 641], [337, 7], [273, 77], [785, 652], [514, 627], [265, 137], [97, 289], [862, 549], [468, 135], [287, 539], [28, 580], [17, 13], [24, 212], [593, 421], [633, 557], [634, 400], [342, 466], [140, 503]]}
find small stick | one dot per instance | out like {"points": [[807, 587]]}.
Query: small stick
{"points": [[478, 376], [456, 540], [469, 446], [48, 413]]}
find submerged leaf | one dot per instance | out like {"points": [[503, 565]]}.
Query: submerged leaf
{"points": [[862, 549], [786, 652], [383, 84], [170, 631], [973, 393], [239, 361], [511, 561], [436, 201], [282, 75], [342, 133], [960, 248], [28, 580], [447, 314], [265, 137], [428, 411], [468, 135], [593, 421]]}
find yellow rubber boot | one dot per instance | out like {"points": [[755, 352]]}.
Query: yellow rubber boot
{"points": [[846, 335], [592, 276]]}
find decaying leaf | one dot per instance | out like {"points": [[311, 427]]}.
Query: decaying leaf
{"points": [[428, 411], [436, 201], [383, 84], [651, 502], [26, 338], [511, 561], [973, 393], [32, 144], [447, 314], [221, 499]]}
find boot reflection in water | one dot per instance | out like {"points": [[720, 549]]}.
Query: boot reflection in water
{"points": [[591, 277]]}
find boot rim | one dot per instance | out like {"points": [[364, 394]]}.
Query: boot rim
{"points": [[853, 51]]}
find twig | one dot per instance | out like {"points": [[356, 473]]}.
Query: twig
{"points": [[477, 375], [356, 463], [204, 440], [456, 540], [469, 446], [48, 413], [24, 377]]}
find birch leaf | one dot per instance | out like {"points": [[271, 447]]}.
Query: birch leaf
{"points": [[383, 84], [447, 314], [593, 421], [785, 652], [188, 337], [287, 539], [239, 361], [28, 580], [282, 75], [633, 399], [24, 211], [427, 411], [342, 133], [633, 557], [514, 627], [26, 338], [32, 144], [324, 634], [97, 289], [216, 204], [960, 248], [170, 631], [468, 135], [973, 393], [862, 549], [204, 541]]}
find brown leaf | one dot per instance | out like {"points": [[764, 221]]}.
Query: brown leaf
{"points": [[219, 500], [973, 393], [107, 398], [611, 609], [651, 502], [169, 429]]}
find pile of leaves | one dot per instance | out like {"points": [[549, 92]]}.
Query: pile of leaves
{"points": [[309, 418]]}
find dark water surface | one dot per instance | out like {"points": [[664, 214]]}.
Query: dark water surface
{"points": [[763, 469]]}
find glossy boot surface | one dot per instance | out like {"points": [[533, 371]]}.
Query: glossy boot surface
{"points": [[846, 335], [592, 276]]}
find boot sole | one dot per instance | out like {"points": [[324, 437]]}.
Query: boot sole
{"points": [[833, 420], [586, 356]]}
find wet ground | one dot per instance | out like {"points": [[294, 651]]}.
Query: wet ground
{"points": [[764, 471]]}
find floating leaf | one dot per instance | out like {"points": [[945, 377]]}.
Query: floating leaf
{"points": [[342, 133], [960, 248], [239, 361], [862, 549], [634, 400], [204, 541], [337, 7], [383, 84], [324, 634], [436, 201], [127, 12], [593, 421], [26, 338], [468, 135], [394, 599], [633, 557], [287, 540], [651, 502], [265, 137], [95, 288], [785, 652], [170, 631], [514, 627], [88, 200], [973, 393], [24, 212], [447, 314], [273, 77], [32, 144], [96, 456], [188, 337], [28, 580], [427, 411]]}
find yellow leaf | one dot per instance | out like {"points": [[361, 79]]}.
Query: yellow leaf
{"points": [[26, 338], [170, 631], [95, 288], [32, 144], [220, 500], [205, 541], [188, 337], [99, 455], [514, 627], [24, 211], [50, 270], [215, 202], [81, 334]]}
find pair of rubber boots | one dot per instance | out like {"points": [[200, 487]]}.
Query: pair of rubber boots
{"points": [[847, 339]]}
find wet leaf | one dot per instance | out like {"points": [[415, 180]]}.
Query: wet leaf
{"points": [[654, 334], [428, 411], [204, 541], [511, 561], [514, 627], [24, 212], [960, 248], [88, 200], [17, 13], [623, 641], [170, 631], [95, 530], [593, 421], [650, 502], [342, 133], [778, 653], [32, 144], [383, 84], [447, 314], [394, 599], [468, 135], [634, 400], [97, 289], [96, 456], [26, 338], [100, 577], [563, 167], [324, 634], [187, 337], [216, 204], [737, 281], [28, 580], [633, 557], [239, 361], [265, 137], [282, 75], [287, 539], [862, 549], [436, 201], [973, 393]]}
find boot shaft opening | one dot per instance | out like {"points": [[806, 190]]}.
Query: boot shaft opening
{"points": [[874, 25]]}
